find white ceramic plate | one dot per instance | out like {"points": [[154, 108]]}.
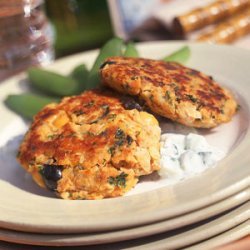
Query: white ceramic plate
{"points": [[226, 237], [171, 240], [25, 207], [131, 233], [201, 232]]}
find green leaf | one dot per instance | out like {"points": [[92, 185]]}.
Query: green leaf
{"points": [[112, 48], [80, 74], [27, 105], [130, 50], [181, 56], [52, 83]]}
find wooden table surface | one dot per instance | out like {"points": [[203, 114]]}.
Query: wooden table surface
{"points": [[242, 244]]}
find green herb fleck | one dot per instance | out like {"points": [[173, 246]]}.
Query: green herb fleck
{"points": [[119, 180], [134, 78], [80, 167], [137, 133], [199, 107], [222, 111], [112, 116], [40, 168], [78, 112], [71, 135], [238, 107], [192, 98], [51, 136], [167, 95], [104, 161], [120, 137], [90, 133], [176, 88], [105, 108], [126, 86], [111, 150], [80, 198], [90, 104]]}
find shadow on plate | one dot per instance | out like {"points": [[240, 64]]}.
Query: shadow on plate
{"points": [[13, 173]]}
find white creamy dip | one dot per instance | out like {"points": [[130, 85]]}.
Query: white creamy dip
{"points": [[185, 155]]}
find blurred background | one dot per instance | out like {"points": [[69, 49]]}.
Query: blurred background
{"points": [[79, 25], [85, 24], [40, 31]]}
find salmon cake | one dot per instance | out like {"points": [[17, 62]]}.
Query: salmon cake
{"points": [[91, 146], [171, 90]]}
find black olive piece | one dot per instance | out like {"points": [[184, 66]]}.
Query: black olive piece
{"points": [[51, 174], [129, 139], [107, 63], [129, 103]]}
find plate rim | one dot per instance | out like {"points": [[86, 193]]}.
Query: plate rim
{"points": [[80, 239]]}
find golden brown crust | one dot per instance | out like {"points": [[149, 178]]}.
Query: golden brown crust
{"points": [[171, 90], [101, 147]]}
